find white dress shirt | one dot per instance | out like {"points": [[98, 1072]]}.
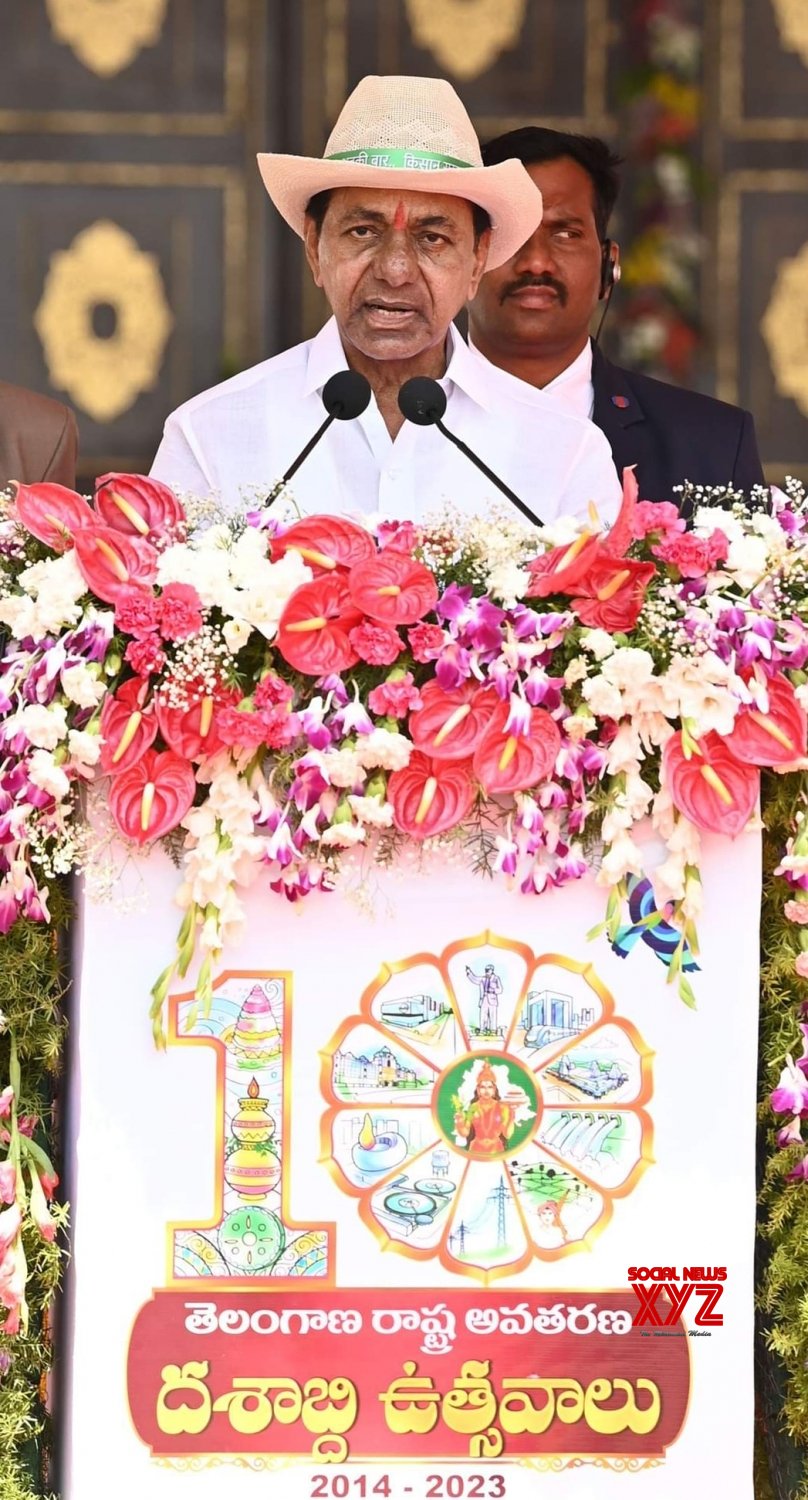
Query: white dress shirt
{"points": [[572, 391], [236, 440]]}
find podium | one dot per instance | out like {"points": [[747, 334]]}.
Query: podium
{"points": [[440, 1196]]}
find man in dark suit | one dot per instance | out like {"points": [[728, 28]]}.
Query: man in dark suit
{"points": [[531, 317], [38, 438]]}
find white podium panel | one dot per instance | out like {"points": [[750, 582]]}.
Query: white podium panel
{"points": [[432, 1201]]}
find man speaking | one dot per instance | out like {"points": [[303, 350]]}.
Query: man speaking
{"points": [[399, 220]]}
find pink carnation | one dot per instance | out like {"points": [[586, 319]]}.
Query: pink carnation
{"points": [[796, 911], [691, 555], [146, 656], [801, 965], [272, 690], [180, 612], [137, 612], [395, 698], [280, 727], [426, 642], [237, 727], [655, 515], [401, 536], [378, 645]]}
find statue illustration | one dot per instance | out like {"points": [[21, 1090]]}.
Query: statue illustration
{"points": [[490, 987]]}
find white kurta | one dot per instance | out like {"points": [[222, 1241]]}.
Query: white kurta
{"points": [[238, 438]]}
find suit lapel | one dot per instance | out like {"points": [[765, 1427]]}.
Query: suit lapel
{"points": [[617, 412]]}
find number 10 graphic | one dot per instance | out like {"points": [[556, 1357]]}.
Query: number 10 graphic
{"points": [[251, 1234]]}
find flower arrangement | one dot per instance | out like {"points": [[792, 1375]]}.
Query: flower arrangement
{"points": [[287, 702], [661, 102], [275, 697]]}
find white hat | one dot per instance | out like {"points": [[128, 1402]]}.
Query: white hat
{"points": [[413, 134]]}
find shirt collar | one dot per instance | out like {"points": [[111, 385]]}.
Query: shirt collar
{"points": [[326, 356], [579, 372]]}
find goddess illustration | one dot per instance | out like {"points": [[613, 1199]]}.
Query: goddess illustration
{"points": [[488, 1123]]}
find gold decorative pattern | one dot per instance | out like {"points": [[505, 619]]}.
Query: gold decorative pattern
{"points": [[103, 266], [783, 328], [466, 36], [107, 35], [792, 20]]}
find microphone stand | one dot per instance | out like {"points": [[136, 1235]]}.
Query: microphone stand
{"points": [[489, 474]]}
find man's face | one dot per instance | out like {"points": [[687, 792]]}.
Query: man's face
{"points": [[542, 299], [396, 267]]}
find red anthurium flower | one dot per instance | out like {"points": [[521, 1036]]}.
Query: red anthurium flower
{"points": [[611, 594], [192, 732], [52, 513], [562, 570], [111, 561], [429, 796], [509, 762], [326, 543], [618, 540], [711, 788], [137, 506], [314, 627], [775, 738], [153, 796], [558, 571], [126, 729], [449, 726], [393, 588]]}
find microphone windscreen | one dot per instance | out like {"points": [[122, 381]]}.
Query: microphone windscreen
{"points": [[422, 400], [346, 395]]}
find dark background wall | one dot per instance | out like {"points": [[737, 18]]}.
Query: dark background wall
{"points": [[141, 261]]}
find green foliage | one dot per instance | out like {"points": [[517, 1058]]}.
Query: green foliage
{"points": [[32, 990], [783, 1205]]}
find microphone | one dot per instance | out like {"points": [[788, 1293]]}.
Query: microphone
{"points": [[345, 396], [423, 401]]}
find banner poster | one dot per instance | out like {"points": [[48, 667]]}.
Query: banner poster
{"points": [[441, 1196]]}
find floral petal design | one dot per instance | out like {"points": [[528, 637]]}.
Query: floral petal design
{"points": [[519, 1158], [393, 588], [192, 732]]}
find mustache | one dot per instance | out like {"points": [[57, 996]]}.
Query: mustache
{"points": [[528, 281]]}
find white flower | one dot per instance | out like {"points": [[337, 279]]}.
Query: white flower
{"points": [[710, 518], [84, 748], [579, 725], [508, 583], [42, 726], [629, 668], [343, 835], [236, 634], [52, 590], [343, 767], [385, 748], [620, 859], [44, 772], [598, 642], [700, 690], [747, 559], [576, 671], [603, 698], [625, 751], [81, 686], [372, 812]]}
